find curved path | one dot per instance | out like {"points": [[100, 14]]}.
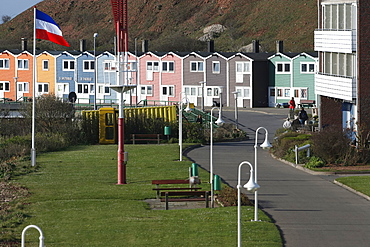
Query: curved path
{"points": [[308, 209]]}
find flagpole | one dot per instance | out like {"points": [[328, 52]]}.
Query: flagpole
{"points": [[33, 149]]}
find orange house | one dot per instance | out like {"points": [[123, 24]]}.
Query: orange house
{"points": [[7, 72], [45, 66], [24, 74]]}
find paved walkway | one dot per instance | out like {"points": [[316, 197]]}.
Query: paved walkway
{"points": [[310, 210]]}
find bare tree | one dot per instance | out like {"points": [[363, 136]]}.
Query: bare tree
{"points": [[6, 18]]}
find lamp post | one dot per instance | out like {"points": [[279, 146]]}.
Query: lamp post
{"points": [[187, 109], [95, 76], [250, 186], [219, 122], [122, 155], [16, 88], [265, 144], [236, 109], [202, 83]]}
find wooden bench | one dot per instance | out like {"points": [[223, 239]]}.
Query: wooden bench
{"points": [[200, 196], [307, 103], [172, 181], [146, 137]]}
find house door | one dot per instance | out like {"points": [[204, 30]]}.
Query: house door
{"points": [[272, 97]]}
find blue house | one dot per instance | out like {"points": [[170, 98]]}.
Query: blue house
{"points": [[65, 74]]}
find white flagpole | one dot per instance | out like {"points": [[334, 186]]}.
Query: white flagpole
{"points": [[33, 149]]}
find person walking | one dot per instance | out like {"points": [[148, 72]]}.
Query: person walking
{"points": [[291, 108]]}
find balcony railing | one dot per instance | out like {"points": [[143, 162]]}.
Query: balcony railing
{"points": [[338, 87], [343, 41]]}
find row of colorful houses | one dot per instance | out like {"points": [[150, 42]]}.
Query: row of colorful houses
{"points": [[257, 79]]}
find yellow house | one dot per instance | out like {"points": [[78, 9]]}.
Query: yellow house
{"points": [[46, 74]]}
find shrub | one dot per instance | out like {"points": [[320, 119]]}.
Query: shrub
{"points": [[229, 197], [315, 162], [284, 144]]}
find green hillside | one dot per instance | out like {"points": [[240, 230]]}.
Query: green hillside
{"points": [[174, 24]]}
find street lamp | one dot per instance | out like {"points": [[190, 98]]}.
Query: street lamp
{"points": [[16, 88], [250, 186], [122, 155], [219, 122], [236, 109], [95, 76], [265, 144], [187, 109], [202, 83]]}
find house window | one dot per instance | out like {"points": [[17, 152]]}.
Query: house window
{"points": [[282, 68], [68, 65], [215, 67], [337, 16], [43, 87], [152, 66], [303, 93], [4, 63], [109, 66], [196, 66], [23, 64], [168, 91], [308, 68], [45, 64], [23, 87], [287, 92], [242, 68], [147, 90], [63, 88], [5, 86], [209, 91], [85, 88], [89, 66], [279, 92], [168, 66]]}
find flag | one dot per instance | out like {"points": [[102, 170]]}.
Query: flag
{"points": [[47, 29]]}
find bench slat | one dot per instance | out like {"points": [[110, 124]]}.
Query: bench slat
{"points": [[171, 181], [187, 188]]}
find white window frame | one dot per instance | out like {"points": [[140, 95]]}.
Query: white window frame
{"points": [[4, 86], [23, 87], [45, 65], [243, 92], [4, 63], [70, 65], [196, 66], [62, 88], [89, 87], [216, 67], [242, 68], [104, 89], [23, 64], [168, 90], [308, 67], [284, 69], [88, 66], [168, 66], [44, 88], [109, 66], [146, 90]]}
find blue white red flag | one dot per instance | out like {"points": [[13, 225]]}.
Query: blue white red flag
{"points": [[47, 29]]}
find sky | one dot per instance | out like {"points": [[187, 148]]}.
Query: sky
{"points": [[13, 8]]}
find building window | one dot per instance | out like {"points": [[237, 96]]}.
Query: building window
{"points": [[109, 66], [68, 65], [168, 66], [63, 88], [147, 90], [215, 67], [23, 64], [337, 16], [308, 68], [43, 87], [242, 68], [152, 66], [168, 91], [282, 68], [4, 86], [279, 92], [4, 63], [45, 64], [89, 66], [338, 64], [85, 88], [196, 66], [23, 87]]}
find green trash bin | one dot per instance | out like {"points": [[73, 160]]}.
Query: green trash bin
{"points": [[216, 182], [194, 170], [167, 130]]}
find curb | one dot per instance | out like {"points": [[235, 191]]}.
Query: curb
{"points": [[300, 167], [352, 190]]}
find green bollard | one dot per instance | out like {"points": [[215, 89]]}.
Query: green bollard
{"points": [[194, 170], [216, 182]]}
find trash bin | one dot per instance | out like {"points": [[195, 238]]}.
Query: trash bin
{"points": [[216, 182], [167, 130], [194, 170], [145, 102]]}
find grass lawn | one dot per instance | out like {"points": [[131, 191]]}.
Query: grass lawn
{"points": [[359, 183], [76, 202]]}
